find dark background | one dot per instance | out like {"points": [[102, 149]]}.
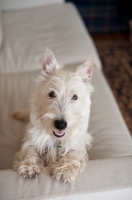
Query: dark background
{"points": [[105, 16]]}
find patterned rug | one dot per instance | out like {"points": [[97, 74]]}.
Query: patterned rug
{"points": [[116, 57]]}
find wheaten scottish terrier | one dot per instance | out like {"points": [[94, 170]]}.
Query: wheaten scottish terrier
{"points": [[57, 133]]}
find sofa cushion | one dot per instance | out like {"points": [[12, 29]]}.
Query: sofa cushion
{"points": [[96, 183], [24, 4], [29, 32]]}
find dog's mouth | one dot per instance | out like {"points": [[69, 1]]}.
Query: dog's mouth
{"points": [[59, 133]]}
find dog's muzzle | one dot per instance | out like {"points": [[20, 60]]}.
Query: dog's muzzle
{"points": [[60, 126]]}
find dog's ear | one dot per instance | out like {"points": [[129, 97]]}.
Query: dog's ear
{"points": [[86, 70], [49, 63]]}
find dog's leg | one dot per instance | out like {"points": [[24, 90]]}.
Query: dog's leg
{"points": [[28, 163], [68, 167]]}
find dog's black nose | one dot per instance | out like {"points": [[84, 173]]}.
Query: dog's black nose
{"points": [[60, 124]]}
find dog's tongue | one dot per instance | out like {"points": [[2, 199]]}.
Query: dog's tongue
{"points": [[58, 132]]}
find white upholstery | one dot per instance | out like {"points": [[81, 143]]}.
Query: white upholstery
{"points": [[57, 27], [107, 195], [100, 176], [24, 4]]}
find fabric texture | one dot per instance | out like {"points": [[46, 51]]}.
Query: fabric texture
{"points": [[57, 27], [99, 176], [24, 4]]}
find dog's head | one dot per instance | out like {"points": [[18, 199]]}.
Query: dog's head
{"points": [[61, 102]]}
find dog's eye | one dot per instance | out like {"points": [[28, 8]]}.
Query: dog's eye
{"points": [[74, 97], [52, 95]]}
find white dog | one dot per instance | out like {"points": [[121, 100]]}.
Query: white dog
{"points": [[57, 133]]}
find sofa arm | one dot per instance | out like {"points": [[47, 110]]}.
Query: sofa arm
{"points": [[99, 176]]}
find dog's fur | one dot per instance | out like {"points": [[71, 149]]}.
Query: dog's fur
{"points": [[65, 96]]}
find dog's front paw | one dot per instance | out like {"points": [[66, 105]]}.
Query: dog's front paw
{"points": [[64, 174], [29, 171], [30, 167]]}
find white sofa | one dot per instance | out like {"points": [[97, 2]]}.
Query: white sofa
{"points": [[26, 35]]}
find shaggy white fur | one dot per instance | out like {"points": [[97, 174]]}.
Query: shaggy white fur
{"points": [[57, 133]]}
